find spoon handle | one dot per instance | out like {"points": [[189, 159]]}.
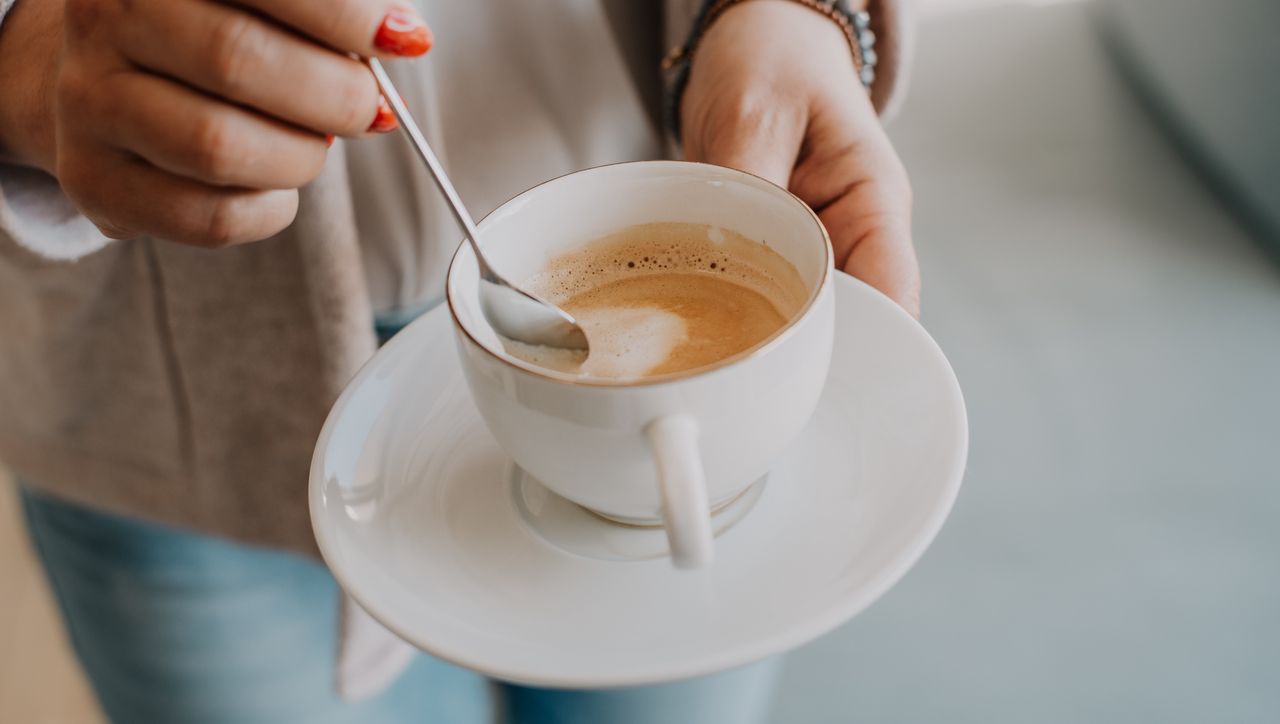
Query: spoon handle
{"points": [[428, 157]]}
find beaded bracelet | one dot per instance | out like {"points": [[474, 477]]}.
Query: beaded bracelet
{"points": [[856, 27]]}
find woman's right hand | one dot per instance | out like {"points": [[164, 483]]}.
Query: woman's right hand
{"points": [[197, 120]]}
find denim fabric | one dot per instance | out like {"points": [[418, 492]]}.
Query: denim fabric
{"points": [[174, 627]]}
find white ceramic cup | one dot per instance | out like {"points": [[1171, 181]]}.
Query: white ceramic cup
{"points": [[665, 449]]}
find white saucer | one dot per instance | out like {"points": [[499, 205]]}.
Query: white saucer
{"points": [[425, 522]]}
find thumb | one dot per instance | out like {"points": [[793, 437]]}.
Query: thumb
{"points": [[764, 143]]}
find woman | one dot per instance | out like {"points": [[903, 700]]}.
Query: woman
{"points": [[190, 269]]}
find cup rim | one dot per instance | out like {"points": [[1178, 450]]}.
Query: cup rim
{"points": [[759, 349]]}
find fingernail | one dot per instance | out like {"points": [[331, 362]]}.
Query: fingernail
{"points": [[385, 121], [404, 33], [328, 139]]}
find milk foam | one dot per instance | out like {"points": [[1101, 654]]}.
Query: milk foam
{"points": [[628, 342]]}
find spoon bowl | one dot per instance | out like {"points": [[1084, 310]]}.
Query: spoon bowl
{"points": [[532, 320]]}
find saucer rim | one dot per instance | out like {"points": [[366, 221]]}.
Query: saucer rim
{"points": [[788, 640]]}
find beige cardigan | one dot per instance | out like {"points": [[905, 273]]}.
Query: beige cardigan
{"points": [[188, 386]]}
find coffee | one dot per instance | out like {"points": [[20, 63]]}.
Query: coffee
{"points": [[662, 298]]}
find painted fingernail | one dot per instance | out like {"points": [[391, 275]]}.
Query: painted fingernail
{"points": [[385, 121], [404, 33], [328, 139]]}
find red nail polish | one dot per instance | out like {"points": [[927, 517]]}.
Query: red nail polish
{"points": [[328, 139], [404, 33], [385, 121]]}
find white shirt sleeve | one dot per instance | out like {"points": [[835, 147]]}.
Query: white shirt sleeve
{"points": [[37, 215]]}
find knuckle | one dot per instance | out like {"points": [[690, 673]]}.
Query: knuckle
{"points": [[214, 148], [750, 105], [747, 110], [749, 113], [84, 17], [222, 227], [237, 46]]}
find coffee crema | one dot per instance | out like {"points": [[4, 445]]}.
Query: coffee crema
{"points": [[662, 298]]}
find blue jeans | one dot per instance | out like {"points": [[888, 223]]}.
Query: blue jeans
{"points": [[174, 627]]}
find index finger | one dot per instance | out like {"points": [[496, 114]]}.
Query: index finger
{"points": [[384, 28]]}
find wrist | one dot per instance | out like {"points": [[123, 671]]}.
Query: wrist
{"points": [[800, 48], [779, 44], [30, 46]]}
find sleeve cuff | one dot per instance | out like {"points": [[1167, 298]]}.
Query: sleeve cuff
{"points": [[39, 217]]}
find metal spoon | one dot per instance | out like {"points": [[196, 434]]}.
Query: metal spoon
{"points": [[512, 312]]}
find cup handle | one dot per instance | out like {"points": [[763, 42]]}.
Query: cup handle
{"points": [[686, 513]]}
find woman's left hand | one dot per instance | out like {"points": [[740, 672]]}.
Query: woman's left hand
{"points": [[773, 91]]}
